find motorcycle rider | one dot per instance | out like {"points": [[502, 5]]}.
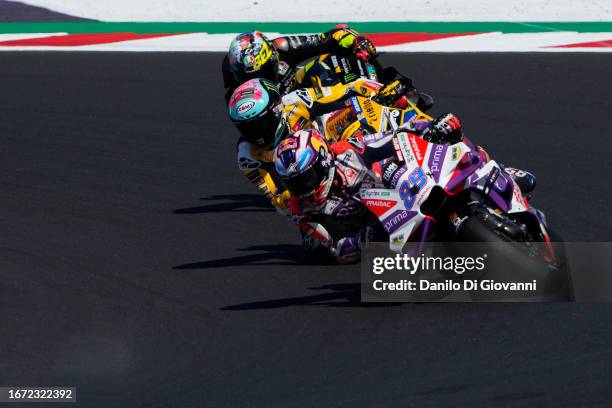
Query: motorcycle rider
{"points": [[324, 181], [253, 55], [257, 110]]}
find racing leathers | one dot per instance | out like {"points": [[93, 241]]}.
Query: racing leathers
{"points": [[301, 107], [338, 222], [257, 165], [294, 49]]}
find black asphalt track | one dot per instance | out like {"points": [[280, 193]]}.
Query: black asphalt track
{"points": [[138, 265]]}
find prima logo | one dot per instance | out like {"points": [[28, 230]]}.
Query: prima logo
{"points": [[437, 156], [396, 220]]}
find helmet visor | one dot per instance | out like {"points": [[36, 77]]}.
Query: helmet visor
{"points": [[268, 70], [261, 131], [306, 183]]}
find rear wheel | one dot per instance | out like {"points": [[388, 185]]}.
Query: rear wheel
{"points": [[518, 261]]}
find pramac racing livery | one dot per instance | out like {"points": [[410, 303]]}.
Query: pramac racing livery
{"points": [[454, 193]]}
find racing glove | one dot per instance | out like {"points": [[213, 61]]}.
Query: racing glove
{"points": [[281, 201], [393, 93], [349, 39], [415, 125], [446, 128], [364, 49]]}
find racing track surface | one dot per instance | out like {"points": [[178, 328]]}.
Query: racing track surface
{"points": [[138, 265]]}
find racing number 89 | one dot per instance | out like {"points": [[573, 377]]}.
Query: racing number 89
{"points": [[416, 178]]}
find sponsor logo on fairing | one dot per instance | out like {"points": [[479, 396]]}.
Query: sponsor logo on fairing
{"points": [[398, 150], [396, 177], [380, 203], [456, 153], [393, 116], [373, 137], [415, 148], [370, 112], [372, 85], [405, 148], [389, 171], [356, 106], [396, 219], [397, 239], [423, 195], [378, 194], [436, 160], [379, 207]]}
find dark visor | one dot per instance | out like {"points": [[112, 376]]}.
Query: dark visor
{"points": [[261, 130], [306, 183]]}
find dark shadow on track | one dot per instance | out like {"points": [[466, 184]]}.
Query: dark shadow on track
{"points": [[341, 295], [237, 203], [286, 254]]}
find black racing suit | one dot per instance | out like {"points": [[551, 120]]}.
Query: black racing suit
{"points": [[292, 50]]}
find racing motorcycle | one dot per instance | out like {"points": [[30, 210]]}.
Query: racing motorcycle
{"points": [[362, 114], [439, 192], [338, 108], [447, 193], [453, 192], [328, 70]]}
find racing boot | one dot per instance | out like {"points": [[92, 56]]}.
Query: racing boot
{"points": [[525, 180]]}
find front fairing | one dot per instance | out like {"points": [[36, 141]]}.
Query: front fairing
{"points": [[452, 168]]}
